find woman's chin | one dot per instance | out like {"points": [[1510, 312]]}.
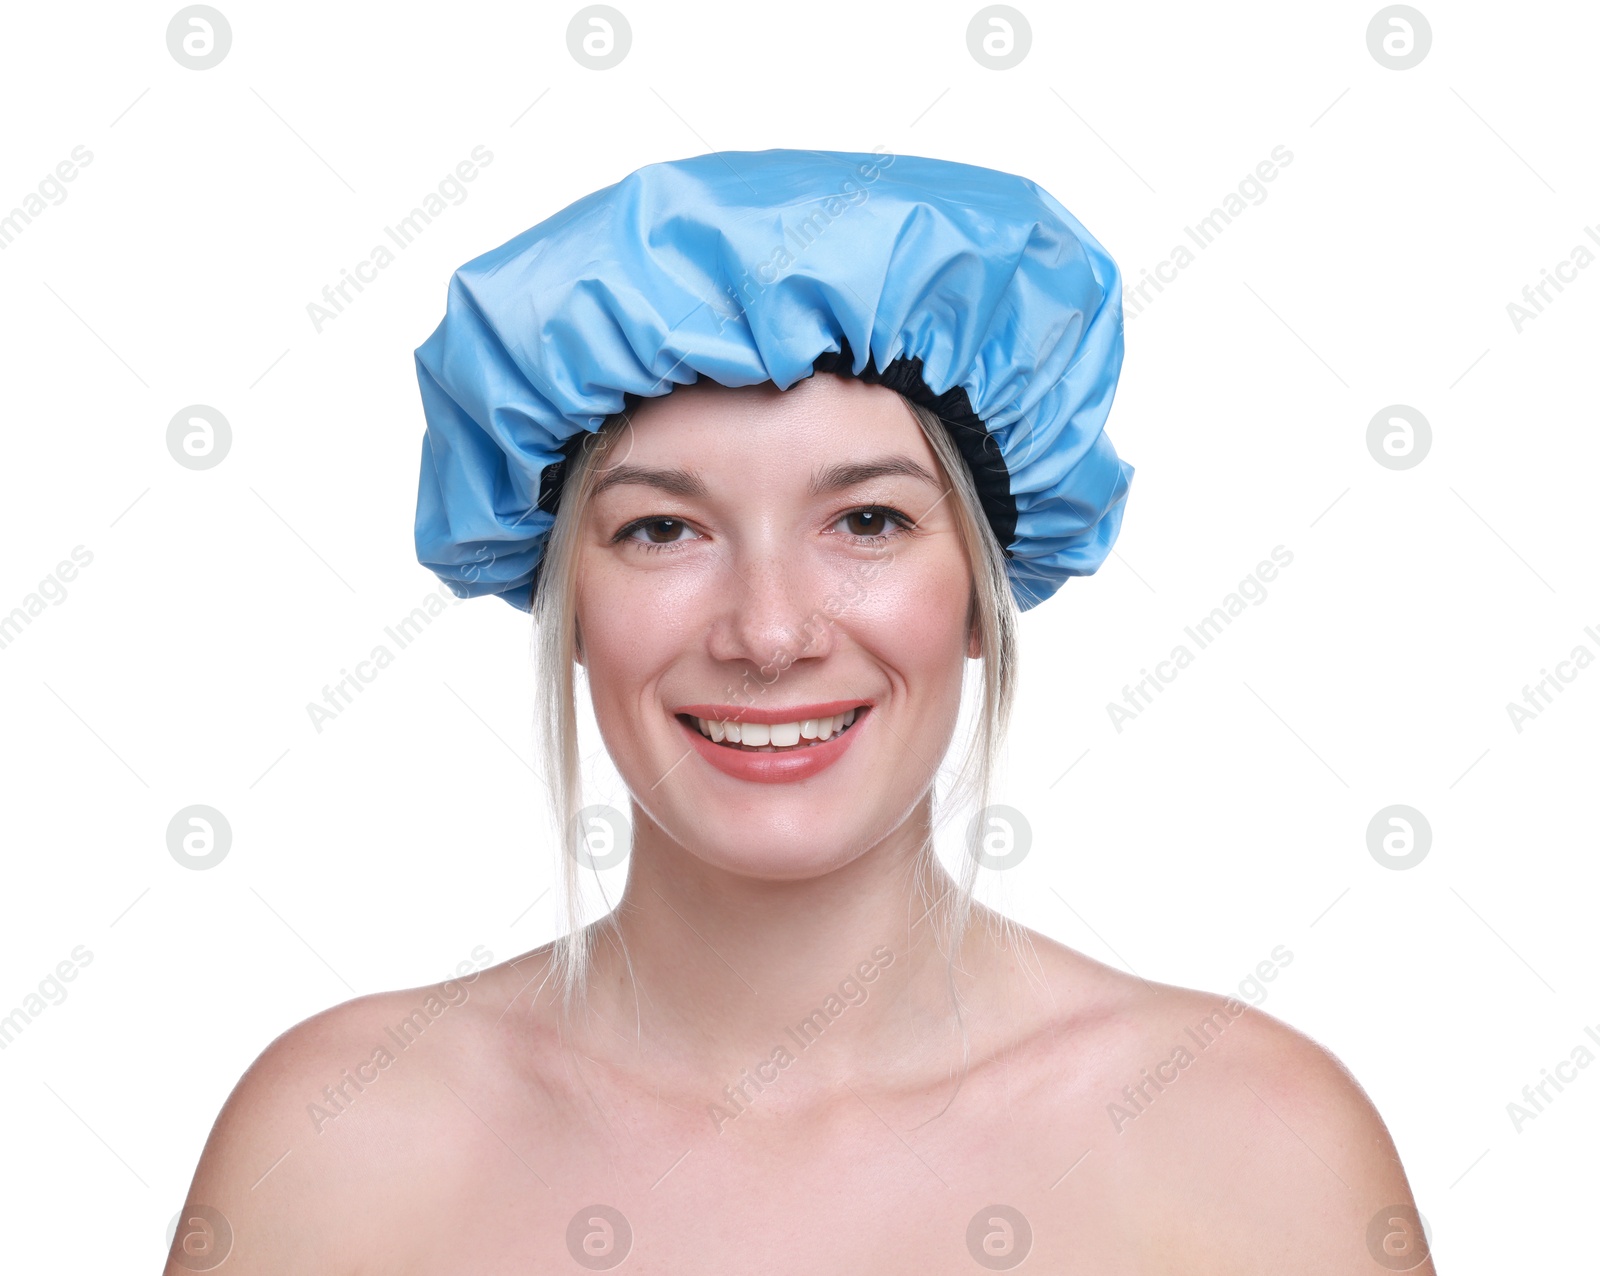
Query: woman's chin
{"points": [[773, 856]]}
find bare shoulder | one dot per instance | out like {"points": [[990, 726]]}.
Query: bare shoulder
{"points": [[1257, 1148], [345, 1124]]}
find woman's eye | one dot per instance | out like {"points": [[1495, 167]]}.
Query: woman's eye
{"points": [[657, 531], [870, 522]]}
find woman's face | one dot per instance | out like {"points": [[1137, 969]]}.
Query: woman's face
{"points": [[774, 559]]}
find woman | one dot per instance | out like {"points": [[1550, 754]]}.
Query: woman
{"points": [[796, 1044]]}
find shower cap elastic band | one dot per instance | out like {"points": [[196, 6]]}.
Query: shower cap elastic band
{"points": [[971, 291]]}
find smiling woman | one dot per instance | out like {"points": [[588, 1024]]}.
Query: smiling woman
{"points": [[777, 547], [737, 572]]}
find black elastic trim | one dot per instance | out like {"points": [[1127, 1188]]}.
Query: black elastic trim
{"points": [[554, 476]]}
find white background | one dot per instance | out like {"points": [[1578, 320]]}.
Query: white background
{"points": [[1227, 819]]}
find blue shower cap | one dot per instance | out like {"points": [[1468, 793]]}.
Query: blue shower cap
{"points": [[968, 290]]}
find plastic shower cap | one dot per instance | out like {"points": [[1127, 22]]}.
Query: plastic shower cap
{"points": [[969, 290]]}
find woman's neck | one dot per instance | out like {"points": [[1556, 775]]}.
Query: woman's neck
{"points": [[701, 972]]}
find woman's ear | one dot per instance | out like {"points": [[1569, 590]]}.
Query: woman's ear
{"points": [[577, 643], [974, 644]]}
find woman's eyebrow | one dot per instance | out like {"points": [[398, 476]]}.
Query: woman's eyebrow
{"points": [[677, 481], [849, 473]]}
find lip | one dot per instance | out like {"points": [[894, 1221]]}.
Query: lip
{"points": [[775, 768], [749, 713]]}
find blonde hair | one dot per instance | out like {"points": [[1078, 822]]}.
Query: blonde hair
{"points": [[992, 612]]}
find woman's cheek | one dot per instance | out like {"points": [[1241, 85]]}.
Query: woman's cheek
{"points": [[635, 626], [635, 613], [913, 602]]}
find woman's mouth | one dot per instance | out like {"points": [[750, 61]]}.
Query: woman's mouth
{"points": [[800, 749], [776, 737]]}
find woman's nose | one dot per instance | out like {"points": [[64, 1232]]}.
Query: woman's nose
{"points": [[772, 614]]}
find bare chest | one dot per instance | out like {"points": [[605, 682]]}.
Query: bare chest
{"points": [[862, 1187]]}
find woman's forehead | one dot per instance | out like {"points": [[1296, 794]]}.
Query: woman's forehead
{"points": [[821, 419]]}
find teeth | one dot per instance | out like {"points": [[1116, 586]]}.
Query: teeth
{"points": [[777, 735]]}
